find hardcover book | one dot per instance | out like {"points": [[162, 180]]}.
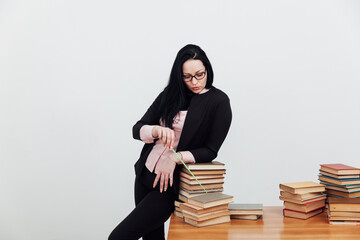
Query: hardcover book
{"points": [[302, 215], [199, 210], [210, 200], [339, 176], [213, 221], [205, 216], [344, 204], [348, 181], [302, 187], [214, 165], [339, 169], [302, 201], [198, 187], [245, 209], [302, 197], [308, 207]]}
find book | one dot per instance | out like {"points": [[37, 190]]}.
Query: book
{"points": [[305, 196], [344, 214], [301, 215], [202, 181], [199, 210], [205, 172], [339, 176], [210, 200], [339, 169], [344, 204], [207, 176], [245, 217], [302, 201], [342, 189], [194, 193], [245, 209], [214, 165], [198, 187], [348, 181], [213, 221], [308, 207], [302, 187], [178, 214], [177, 203], [343, 194], [205, 216], [183, 198], [336, 222]]}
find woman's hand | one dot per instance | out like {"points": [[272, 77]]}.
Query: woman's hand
{"points": [[164, 170], [167, 135]]}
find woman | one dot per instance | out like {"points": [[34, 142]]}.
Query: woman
{"points": [[190, 116]]}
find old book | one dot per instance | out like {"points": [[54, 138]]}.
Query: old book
{"points": [[195, 193], [339, 169], [308, 207], [183, 198], [202, 181], [339, 176], [344, 214], [344, 204], [178, 214], [302, 201], [205, 216], [177, 203], [245, 209], [206, 172], [348, 181], [214, 165], [207, 176], [351, 186], [213, 221], [199, 210], [344, 222], [305, 196], [210, 200], [302, 187], [302, 215], [344, 218], [343, 194], [245, 217], [198, 187], [342, 189]]}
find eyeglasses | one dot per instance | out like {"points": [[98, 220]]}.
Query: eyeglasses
{"points": [[197, 76]]}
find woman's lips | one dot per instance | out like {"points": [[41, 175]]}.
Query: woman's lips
{"points": [[195, 88]]}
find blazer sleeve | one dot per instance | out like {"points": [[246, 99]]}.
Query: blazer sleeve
{"points": [[217, 133], [151, 117]]}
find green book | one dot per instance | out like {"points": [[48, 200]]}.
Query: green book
{"points": [[210, 199]]}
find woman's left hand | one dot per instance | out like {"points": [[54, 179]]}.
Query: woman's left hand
{"points": [[164, 170]]}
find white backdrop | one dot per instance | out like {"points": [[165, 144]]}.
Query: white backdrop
{"points": [[76, 75]]}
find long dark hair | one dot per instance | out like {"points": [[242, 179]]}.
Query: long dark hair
{"points": [[176, 95]]}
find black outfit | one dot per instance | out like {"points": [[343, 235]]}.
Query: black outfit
{"points": [[206, 126]]}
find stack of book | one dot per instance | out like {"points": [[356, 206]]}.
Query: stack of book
{"points": [[302, 199], [207, 209], [245, 211], [340, 180], [210, 175], [344, 210]]}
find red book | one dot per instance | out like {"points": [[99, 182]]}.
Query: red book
{"points": [[339, 169]]}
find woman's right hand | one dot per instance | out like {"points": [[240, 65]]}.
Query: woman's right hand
{"points": [[166, 135]]}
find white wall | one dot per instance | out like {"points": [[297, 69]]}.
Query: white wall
{"points": [[76, 75]]}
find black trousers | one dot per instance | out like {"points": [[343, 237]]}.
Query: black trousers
{"points": [[151, 212]]}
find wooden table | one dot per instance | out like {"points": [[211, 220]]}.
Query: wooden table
{"points": [[272, 226]]}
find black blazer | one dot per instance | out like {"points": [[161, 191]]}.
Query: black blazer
{"points": [[206, 126]]}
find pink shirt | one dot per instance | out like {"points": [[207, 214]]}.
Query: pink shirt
{"points": [[160, 151]]}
